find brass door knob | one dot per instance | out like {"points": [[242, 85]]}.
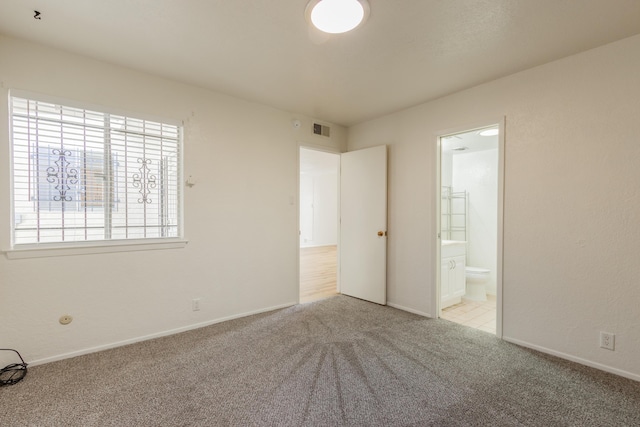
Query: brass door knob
{"points": [[381, 233]]}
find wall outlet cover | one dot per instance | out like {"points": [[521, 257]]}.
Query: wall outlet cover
{"points": [[607, 340]]}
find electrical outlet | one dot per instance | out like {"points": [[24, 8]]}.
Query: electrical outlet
{"points": [[608, 340], [195, 304]]}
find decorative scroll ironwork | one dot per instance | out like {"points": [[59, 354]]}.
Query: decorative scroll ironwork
{"points": [[62, 175], [144, 180]]}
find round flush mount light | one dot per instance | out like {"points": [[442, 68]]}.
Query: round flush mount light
{"points": [[337, 16], [489, 132]]}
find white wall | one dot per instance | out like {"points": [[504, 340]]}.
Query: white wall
{"points": [[571, 234], [446, 169], [477, 173], [319, 208], [244, 158]]}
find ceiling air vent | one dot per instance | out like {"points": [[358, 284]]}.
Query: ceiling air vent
{"points": [[323, 130]]}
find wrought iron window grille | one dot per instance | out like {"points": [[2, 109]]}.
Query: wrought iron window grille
{"points": [[82, 175]]}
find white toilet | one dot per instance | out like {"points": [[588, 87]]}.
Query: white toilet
{"points": [[476, 279]]}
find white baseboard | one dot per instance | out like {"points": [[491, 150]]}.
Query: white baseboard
{"points": [[410, 310], [153, 336], [579, 360]]}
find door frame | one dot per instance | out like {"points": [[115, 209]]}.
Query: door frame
{"points": [[436, 244], [324, 149]]}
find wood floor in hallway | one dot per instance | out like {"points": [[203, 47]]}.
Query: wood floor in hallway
{"points": [[318, 273]]}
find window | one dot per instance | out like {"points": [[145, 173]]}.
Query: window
{"points": [[81, 175]]}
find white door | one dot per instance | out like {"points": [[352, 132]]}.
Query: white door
{"points": [[363, 224], [457, 280], [445, 280]]}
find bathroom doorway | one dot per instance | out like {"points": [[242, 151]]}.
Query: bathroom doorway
{"points": [[470, 227], [318, 219]]}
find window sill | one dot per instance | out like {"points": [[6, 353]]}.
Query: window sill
{"points": [[93, 248]]}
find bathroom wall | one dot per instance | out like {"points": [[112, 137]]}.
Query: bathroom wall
{"points": [[477, 173], [570, 201], [446, 168]]}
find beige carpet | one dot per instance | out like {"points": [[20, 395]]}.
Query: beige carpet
{"points": [[334, 362]]}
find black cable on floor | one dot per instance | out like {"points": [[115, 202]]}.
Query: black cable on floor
{"points": [[14, 372]]}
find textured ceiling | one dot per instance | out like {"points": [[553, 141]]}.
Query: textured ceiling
{"points": [[409, 51]]}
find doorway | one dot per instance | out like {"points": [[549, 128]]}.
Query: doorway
{"points": [[470, 228], [343, 203], [319, 213]]}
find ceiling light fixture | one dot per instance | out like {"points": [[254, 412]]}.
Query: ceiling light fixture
{"points": [[337, 16], [489, 132]]}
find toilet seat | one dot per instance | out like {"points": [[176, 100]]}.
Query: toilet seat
{"points": [[477, 271]]}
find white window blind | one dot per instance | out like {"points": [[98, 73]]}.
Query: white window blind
{"points": [[82, 175]]}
